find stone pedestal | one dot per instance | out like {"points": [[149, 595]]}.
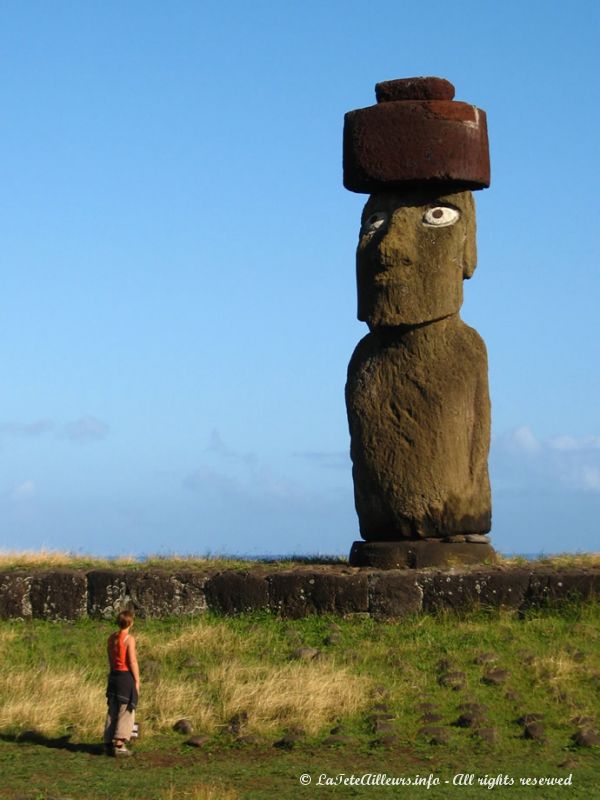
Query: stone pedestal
{"points": [[420, 553]]}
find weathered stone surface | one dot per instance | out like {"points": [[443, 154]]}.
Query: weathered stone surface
{"points": [[296, 594], [422, 88], [394, 594], [59, 595], [15, 600], [154, 593], [586, 737], [548, 586], [409, 140], [183, 726], [464, 590], [494, 677], [419, 554], [304, 653], [535, 731], [455, 680], [417, 397], [233, 591]]}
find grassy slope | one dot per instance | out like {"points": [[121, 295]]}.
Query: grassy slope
{"points": [[211, 668]]}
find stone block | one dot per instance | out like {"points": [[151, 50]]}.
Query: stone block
{"points": [[418, 554], [394, 594], [154, 593], [462, 591], [15, 600], [549, 586], [233, 591], [59, 595], [298, 593]]}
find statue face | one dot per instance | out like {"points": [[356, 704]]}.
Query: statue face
{"points": [[414, 250]]}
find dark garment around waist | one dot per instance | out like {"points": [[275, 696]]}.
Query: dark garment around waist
{"points": [[121, 686]]}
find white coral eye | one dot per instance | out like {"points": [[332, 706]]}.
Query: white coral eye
{"points": [[373, 223], [440, 216]]}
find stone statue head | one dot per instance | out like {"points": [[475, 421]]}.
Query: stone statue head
{"points": [[415, 248]]}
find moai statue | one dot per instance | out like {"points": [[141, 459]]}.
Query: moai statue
{"points": [[417, 390]]}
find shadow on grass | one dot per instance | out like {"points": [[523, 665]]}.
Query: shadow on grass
{"points": [[57, 743]]}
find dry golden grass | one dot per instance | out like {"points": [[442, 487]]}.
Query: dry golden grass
{"points": [[49, 701], [558, 673], [273, 695], [309, 695], [559, 560], [208, 791]]}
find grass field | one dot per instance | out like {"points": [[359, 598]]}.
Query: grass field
{"points": [[250, 681]]}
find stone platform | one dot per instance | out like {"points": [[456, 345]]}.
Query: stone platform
{"points": [[292, 593], [420, 554]]}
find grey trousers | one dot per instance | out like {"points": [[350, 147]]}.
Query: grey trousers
{"points": [[119, 722]]}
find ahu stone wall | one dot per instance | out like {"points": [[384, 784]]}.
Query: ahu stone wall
{"points": [[292, 593]]}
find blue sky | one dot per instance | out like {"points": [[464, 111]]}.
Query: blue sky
{"points": [[178, 300]]}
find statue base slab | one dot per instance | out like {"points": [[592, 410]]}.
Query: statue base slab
{"points": [[420, 553]]}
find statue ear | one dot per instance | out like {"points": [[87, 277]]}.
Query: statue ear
{"points": [[470, 246]]}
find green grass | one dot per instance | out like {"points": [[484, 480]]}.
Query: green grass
{"points": [[224, 664]]}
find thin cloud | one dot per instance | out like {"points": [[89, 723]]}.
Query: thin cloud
{"points": [[520, 460], [27, 429], [23, 491], [86, 429]]}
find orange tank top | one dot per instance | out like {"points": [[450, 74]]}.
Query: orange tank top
{"points": [[117, 650]]}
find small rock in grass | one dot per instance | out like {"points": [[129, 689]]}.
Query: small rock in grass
{"points": [[568, 763], [473, 708], [488, 735], [425, 707], [387, 740], [183, 726], [332, 638], [579, 656], [382, 726], [286, 742], [198, 741], [527, 718], [469, 720], [191, 663], [586, 737], [495, 677], [535, 731], [435, 735], [486, 658], [444, 665], [453, 680], [512, 696], [430, 717], [380, 715], [305, 653]]}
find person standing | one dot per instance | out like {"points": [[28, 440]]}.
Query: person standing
{"points": [[123, 687]]}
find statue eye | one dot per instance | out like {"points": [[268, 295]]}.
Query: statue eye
{"points": [[373, 223], [440, 216]]}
